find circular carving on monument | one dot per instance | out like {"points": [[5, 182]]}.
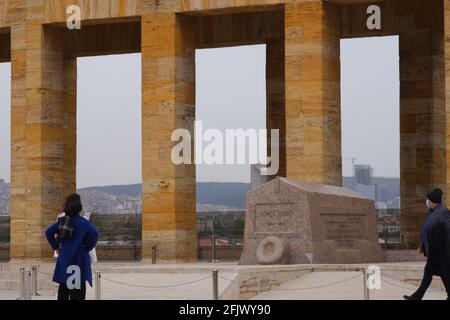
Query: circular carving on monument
{"points": [[271, 250]]}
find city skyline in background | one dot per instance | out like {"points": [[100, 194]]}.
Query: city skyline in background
{"points": [[370, 109], [217, 196]]}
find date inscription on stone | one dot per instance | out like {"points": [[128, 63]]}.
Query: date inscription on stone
{"points": [[277, 218]]}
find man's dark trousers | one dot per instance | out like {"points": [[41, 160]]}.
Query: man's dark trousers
{"points": [[428, 278]]}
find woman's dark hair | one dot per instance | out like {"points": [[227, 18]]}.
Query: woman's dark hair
{"points": [[73, 205]]}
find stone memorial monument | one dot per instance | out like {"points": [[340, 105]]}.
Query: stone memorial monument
{"points": [[303, 88], [295, 222]]}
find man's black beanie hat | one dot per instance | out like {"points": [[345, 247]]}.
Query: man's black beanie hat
{"points": [[435, 195]]}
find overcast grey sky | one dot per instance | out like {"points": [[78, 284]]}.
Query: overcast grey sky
{"points": [[230, 94], [370, 99], [109, 120]]}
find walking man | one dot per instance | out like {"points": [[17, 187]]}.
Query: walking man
{"points": [[435, 244]]}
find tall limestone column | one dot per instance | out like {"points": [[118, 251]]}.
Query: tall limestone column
{"points": [[168, 100], [423, 143], [275, 92], [37, 126], [313, 134], [70, 125], [18, 142], [446, 74]]}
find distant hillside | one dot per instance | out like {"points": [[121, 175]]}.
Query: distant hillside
{"points": [[234, 194], [223, 193], [217, 193], [348, 181], [131, 189]]}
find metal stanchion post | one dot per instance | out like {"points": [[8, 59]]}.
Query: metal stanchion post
{"points": [[154, 253], [97, 285], [22, 284], [34, 283], [213, 249], [28, 285], [366, 286], [215, 278]]}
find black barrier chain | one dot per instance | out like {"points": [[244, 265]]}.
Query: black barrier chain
{"points": [[44, 273], [409, 288], [229, 280], [155, 287], [48, 283], [394, 284], [318, 287]]}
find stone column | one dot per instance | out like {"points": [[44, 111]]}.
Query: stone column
{"points": [[168, 99], [70, 125], [275, 92], [45, 137], [312, 73], [18, 142], [37, 120], [446, 66], [422, 117]]}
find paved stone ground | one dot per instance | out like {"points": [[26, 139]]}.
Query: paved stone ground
{"points": [[342, 286], [194, 281], [133, 286]]}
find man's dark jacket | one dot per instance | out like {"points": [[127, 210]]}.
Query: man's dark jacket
{"points": [[438, 233]]}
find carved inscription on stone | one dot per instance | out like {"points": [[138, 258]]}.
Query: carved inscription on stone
{"points": [[278, 218], [343, 228]]}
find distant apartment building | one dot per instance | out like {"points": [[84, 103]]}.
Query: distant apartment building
{"points": [[385, 191], [380, 205], [363, 174], [396, 202]]}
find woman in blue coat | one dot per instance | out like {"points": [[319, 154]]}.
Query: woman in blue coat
{"points": [[72, 237]]}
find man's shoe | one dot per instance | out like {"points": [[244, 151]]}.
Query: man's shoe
{"points": [[411, 297]]}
